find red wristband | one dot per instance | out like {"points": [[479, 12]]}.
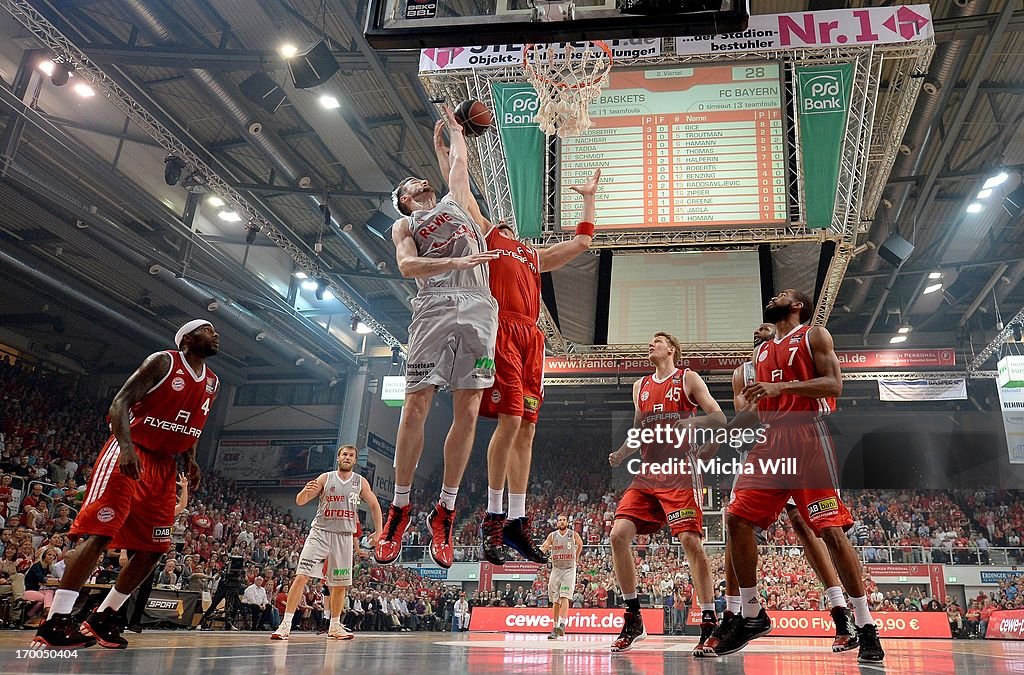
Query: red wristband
{"points": [[585, 228]]}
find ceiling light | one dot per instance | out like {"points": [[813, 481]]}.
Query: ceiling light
{"points": [[47, 67], [360, 327], [935, 275], [329, 102], [903, 330], [328, 295], [974, 208], [84, 90], [300, 275], [173, 166], [932, 288], [288, 50], [215, 201], [984, 194], [995, 180], [309, 285], [230, 216], [896, 339]]}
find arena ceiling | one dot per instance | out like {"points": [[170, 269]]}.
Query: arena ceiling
{"points": [[85, 205]]}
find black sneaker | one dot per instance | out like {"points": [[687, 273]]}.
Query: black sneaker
{"points": [[708, 624], [491, 538], [518, 535], [632, 631], [846, 634], [742, 632], [61, 630], [105, 626], [870, 645]]}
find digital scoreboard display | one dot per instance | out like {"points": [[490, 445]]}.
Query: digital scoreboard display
{"points": [[682, 147]]}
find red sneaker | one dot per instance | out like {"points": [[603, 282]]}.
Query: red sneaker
{"points": [[441, 520], [389, 546]]}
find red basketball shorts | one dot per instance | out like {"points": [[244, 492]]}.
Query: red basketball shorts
{"points": [[650, 508], [138, 514], [518, 388], [760, 496]]}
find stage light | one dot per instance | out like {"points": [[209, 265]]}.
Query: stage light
{"points": [[309, 285], [321, 289], [1016, 332], [84, 90], [903, 330], [931, 289], [60, 75], [173, 166], [396, 355], [329, 102], [974, 208], [47, 67], [995, 180], [215, 201], [250, 233], [935, 275], [230, 216], [300, 275], [288, 50], [896, 339]]}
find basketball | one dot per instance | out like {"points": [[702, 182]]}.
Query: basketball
{"points": [[474, 117]]}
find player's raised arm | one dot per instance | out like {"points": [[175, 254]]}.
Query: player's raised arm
{"points": [[553, 257], [624, 451], [154, 369], [311, 490], [458, 157], [444, 164], [412, 265]]}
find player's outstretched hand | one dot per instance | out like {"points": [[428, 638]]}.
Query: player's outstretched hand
{"points": [[439, 144], [453, 124], [614, 458], [129, 463], [470, 261], [590, 187]]}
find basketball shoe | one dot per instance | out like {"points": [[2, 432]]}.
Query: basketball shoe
{"points": [[846, 635], [708, 624], [61, 630], [283, 632], [338, 632], [441, 521], [518, 535], [491, 538], [870, 645], [105, 626], [389, 546], [725, 627], [743, 631], [632, 631]]}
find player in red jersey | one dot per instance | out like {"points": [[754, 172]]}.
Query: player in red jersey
{"points": [[814, 548], [797, 379], [667, 399], [158, 414], [517, 393]]}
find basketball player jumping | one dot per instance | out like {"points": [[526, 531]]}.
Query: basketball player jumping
{"points": [[158, 414], [798, 378], [564, 547], [451, 339], [327, 553], [518, 391], [668, 398], [814, 549]]}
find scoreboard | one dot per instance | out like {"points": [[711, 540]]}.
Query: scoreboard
{"points": [[683, 147]]}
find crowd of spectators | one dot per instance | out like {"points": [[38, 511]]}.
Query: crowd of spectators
{"points": [[50, 432]]}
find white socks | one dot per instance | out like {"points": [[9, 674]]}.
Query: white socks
{"points": [[114, 600], [835, 596], [448, 495], [286, 621], [63, 602], [732, 603], [750, 606], [707, 607], [402, 495], [861, 613], [494, 499], [516, 506]]}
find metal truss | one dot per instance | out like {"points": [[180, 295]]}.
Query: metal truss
{"points": [[872, 138], [65, 50], [579, 381], [997, 342], [917, 375]]}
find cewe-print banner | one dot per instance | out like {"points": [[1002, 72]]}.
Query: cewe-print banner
{"points": [[829, 28], [582, 621], [1006, 625]]}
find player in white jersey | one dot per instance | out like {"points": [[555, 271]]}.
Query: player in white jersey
{"points": [[451, 339], [327, 553], [564, 547]]}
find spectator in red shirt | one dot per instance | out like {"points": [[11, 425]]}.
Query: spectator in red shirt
{"points": [[202, 523], [986, 614]]}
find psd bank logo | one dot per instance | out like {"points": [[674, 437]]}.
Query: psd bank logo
{"points": [[822, 92], [518, 109], [443, 56]]}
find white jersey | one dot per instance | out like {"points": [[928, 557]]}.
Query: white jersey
{"points": [[338, 508], [447, 231], [563, 550]]}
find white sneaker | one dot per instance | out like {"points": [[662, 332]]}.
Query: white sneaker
{"points": [[338, 632], [282, 633]]}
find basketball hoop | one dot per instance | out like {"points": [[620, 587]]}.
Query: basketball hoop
{"points": [[566, 83]]}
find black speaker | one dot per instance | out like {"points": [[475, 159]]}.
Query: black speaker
{"points": [[263, 91], [313, 67], [895, 250]]}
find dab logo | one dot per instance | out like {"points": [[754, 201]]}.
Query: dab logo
{"points": [[682, 514], [823, 506], [531, 403], [822, 92]]}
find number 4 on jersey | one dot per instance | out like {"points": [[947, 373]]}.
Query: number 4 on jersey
{"points": [[206, 404]]}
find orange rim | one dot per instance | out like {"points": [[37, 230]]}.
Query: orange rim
{"points": [[527, 49]]}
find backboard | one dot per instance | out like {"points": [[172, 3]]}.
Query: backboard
{"points": [[419, 24]]}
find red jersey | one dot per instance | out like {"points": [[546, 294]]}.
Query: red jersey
{"points": [[515, 276], [662, 404], [170, 417], [788, 359]]}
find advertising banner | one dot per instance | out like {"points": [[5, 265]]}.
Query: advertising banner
{"points": [[819, 624], [831, 28], [585, 621], [1011, 402], [177, 607], [823, 100], [1006, 625], [270, 459], [515, 104], [500, 56]]}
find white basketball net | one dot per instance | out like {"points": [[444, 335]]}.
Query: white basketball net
{"points": [[566, 82]]}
